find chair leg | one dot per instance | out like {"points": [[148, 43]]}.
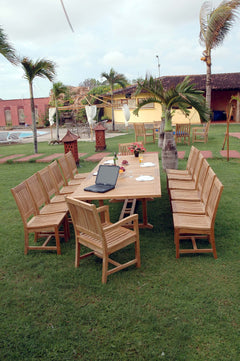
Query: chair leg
{"points": [[137, 254], [104, 268], [212, 242], [77, 254], [176, 241], [57, 240], [26, 241]]}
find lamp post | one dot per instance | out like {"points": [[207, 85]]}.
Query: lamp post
{"points": [[158, 65]]}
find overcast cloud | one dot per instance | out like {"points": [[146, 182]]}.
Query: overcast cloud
{"points": [[126, 35]]}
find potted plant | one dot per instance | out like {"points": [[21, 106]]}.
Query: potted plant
{"points": [[183, 96], [136, 148]]}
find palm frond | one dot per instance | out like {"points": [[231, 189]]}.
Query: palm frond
{"points": [[6, 49], [216, 23], [145, 102]]}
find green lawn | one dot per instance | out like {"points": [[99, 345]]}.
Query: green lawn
{"points": [[169, 309]]}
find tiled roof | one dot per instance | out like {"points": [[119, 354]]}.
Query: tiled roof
{"points": [[224, 81]]}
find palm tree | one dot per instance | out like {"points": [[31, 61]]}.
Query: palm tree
{"points": [[6, 49], [214, 26], [58, 89], [40, 68], [183, 96], [114, 78]]}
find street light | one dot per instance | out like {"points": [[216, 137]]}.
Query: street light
{"points": [[158, 65]]}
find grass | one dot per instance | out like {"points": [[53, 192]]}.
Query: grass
{"points": [[183, 310]]}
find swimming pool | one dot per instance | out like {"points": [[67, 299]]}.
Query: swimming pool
{"points": [[26, 134]]}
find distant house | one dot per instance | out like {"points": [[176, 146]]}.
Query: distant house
{"points": [[17, 112], [223, 87]]}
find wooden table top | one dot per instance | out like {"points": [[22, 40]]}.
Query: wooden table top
{"points": [[127, 186]]}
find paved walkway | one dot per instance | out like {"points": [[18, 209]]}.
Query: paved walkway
{"points": [[41, 158]]}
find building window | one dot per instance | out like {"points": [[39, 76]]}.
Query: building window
{"points": [[8, 117], [146, 106], [118, 103], [21, 116]]}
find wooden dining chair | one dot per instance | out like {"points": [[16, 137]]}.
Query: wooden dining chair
{"points": [[182, 133], [192, 194], [190, 163], [67, 174], [142, 132], [197, 206], [191, 183], [58, 180], [42, 225], [200, 134], [198, 226], [102, 241], [43, 205], [73, 167], [49, 187]]}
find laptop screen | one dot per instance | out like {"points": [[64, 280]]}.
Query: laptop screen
{"points": [[107, 175]]}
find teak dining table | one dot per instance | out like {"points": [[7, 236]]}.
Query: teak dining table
{"points": [[128, 185]]}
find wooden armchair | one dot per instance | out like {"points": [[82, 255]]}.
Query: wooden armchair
{"points": [[142, 132], [102, 240], [198, 226], [182, 132], [42, 225], [200, 134]]}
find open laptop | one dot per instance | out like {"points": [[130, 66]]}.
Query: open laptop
{"points": [[106, 179]]}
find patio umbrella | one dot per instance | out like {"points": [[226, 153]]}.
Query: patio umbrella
{"points": [[127, 114], [91, 111]]}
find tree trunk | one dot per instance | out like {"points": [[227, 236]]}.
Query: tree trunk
{"points": [[208, 82], [33, 119], [169, 149], [57, 120], [113, 121], [169, 152], [161, 133]]}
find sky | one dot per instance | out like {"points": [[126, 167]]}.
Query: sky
{"points": [[125, 35]]}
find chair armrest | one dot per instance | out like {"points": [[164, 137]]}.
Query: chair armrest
{"points": [[105, 211], [133, 218]]}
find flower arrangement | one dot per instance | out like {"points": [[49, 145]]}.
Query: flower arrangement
{"points": [[136, 148]]}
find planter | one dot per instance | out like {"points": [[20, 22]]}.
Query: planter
{"points": [[161, 134], [169, 152]]}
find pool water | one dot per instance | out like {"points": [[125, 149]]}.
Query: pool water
{"points": [[28, 134]]}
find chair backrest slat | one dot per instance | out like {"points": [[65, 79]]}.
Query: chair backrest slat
{"points": [[24, 202], [36, 190], [65, 169], [56, 175], [207, 185], [86, 221], [191, 165], [202, 175], [71, 163], [214, 198], [47, 182]]}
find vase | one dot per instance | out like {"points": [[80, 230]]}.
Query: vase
{"points": [[136, 154]]}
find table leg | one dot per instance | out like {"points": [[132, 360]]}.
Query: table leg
{"points": [[145, 223]]}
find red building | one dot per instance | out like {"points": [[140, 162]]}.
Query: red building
{"points": [[17, 112]]}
